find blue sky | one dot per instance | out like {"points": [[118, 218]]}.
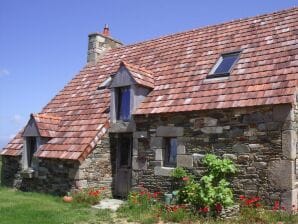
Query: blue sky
{"points": [[43, 43]]}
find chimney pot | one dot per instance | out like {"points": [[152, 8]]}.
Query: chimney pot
{"points": [[106, 30]]}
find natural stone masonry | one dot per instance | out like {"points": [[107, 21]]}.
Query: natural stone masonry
{"points": [[96, 170], [61, 176], [11, 166], [261, 141]]}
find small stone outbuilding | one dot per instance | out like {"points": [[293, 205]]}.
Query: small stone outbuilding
{"points": [[135, 112]]}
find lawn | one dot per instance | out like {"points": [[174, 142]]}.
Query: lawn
{"points": [[19, 207], [30, 208]]}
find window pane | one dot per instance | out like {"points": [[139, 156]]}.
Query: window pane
{"points": [[226, 64], [124, 104], [170, 155], [173, 150], [31, 148]]}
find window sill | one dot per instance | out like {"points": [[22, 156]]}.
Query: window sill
{"points": [[163, 171], [28, 173], [216, 79]]}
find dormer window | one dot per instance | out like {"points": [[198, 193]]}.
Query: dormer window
{"points": [[224, 65], [129, 86], [123, 105], [38, 131]]}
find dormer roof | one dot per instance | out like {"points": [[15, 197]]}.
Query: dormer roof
{"points": [[140, 75]]}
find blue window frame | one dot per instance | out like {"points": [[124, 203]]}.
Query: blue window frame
{"points": [[224, 65], [123, 108], [170, 152]]}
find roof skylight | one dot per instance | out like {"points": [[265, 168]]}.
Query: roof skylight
{"points": [[224, 65]]}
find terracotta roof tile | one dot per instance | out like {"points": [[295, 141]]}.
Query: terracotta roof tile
{"points": [[176, 67], [141, 76]]}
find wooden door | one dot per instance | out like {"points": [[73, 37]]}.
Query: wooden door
{"points": [[123, 165]]}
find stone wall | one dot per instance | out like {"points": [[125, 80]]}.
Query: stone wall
{"points": [[58, 177], [11, 165], [255, 138], [52, 176], [97, 170]]}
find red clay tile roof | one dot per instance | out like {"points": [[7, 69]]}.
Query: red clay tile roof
{"points": [[47, 125], [14, 147], [141, 76], [265, 74]]}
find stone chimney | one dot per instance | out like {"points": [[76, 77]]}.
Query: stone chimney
{"points": [[98, 43]]}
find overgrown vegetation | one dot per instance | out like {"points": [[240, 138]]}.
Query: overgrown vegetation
{"points": [[212, 192], [88, 196], [142, 206]]}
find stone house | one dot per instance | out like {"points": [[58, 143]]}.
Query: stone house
{"points": [[135, 112]]}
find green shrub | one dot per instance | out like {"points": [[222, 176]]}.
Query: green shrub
{"points": [[212, 191]]}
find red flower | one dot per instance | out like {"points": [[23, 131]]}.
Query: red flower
{"points": [[218, 208], [205, 209], [185, 178], [155, 194], [276, 205], [241, 197]]}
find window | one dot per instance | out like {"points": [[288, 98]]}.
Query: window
{"points": [[31, 145], [123, 105], [170, 152], [224, 65]]}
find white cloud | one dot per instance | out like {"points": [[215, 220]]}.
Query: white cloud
{"points": [[4, 72], [16, 119]]}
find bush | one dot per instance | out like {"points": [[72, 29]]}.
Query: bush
{"points": [[212, 191]]}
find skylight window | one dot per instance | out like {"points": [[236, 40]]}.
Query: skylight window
{"points": [[224, 65]]}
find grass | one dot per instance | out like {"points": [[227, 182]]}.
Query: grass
{"points": [[34, 208], [19, 207], [153, 214]]}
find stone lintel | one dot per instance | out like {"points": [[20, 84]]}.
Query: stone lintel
{"points": [[167, 131], [122, 127]]}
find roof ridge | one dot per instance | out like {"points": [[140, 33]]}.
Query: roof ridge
{"points": [[206, 27]]}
